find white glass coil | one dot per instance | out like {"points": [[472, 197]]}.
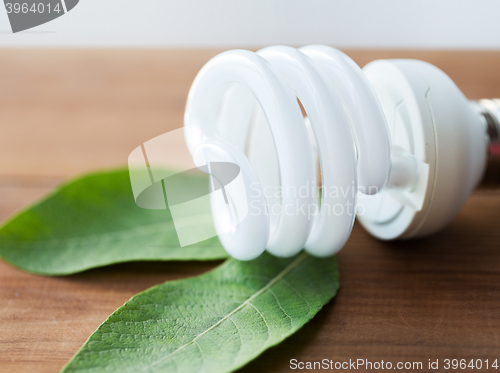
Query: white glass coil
{"points": [[240, 95]]}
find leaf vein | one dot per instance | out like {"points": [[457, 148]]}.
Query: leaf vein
{"points": [[281, 308], [278, 277], [263, 319]]}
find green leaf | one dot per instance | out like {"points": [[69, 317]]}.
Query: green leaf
{"points": [[216, 322], [93, 221]]}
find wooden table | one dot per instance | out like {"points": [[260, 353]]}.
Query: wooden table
{"points": [[65, 112]]}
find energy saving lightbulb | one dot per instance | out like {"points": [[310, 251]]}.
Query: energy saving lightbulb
{"points": [[318, 141]]}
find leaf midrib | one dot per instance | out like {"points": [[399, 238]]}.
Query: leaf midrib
{"points": [[273, 281]]}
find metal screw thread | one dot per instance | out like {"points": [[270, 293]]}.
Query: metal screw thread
{"points": [[489, 109]]}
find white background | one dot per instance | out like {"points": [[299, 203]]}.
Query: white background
{"points": [[252, 23]]}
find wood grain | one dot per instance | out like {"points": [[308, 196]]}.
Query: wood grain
{"points": [[63, 112]]}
